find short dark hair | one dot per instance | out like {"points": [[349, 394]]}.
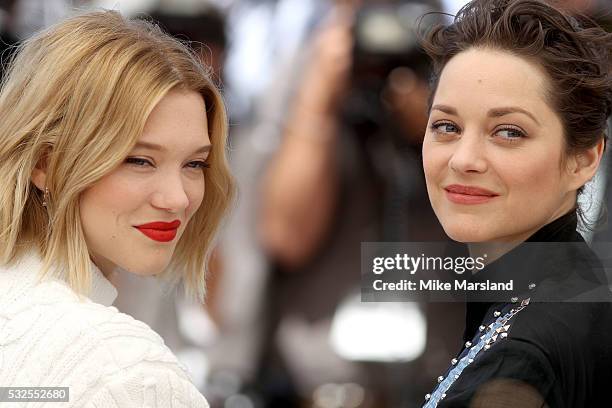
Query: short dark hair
{"points": [[575, 52]]}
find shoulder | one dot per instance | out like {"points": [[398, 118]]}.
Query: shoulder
{"points": [[564, 324], [131, 363], [58, 324], [137, 387], [567, 340], [140, 388], [54, 312], [555, 351], [51, 337], [122, 341]]}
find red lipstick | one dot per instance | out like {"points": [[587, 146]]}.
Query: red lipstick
{"points": [[159, 230], [460, 194]]}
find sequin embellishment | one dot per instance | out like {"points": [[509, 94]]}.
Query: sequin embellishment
{"points": [[497, 329]]}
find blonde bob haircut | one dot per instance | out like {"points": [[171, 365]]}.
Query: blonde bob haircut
{"points": [[75, 100]]}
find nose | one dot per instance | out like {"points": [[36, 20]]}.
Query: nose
{"points": [[469, 155], [171, 194]]}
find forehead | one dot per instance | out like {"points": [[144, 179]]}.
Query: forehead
{"points": [[178, 118], [492, 77]]}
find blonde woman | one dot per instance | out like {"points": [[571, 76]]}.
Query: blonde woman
{"points": [[112, 155]]}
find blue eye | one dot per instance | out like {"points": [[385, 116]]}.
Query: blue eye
{"points": [[510, 134], [444, 127]]}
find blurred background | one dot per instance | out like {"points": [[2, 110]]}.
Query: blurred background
{"points": [[327, 103]]}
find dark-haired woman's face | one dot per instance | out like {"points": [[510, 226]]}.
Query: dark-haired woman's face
{"points": [[493, 149]]}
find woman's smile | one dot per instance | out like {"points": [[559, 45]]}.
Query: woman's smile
{"points": [[460, 194]]}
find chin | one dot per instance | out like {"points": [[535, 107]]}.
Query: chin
{"points": [[466, 233], [466, 238]]}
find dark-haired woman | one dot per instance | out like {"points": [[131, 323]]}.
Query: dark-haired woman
{"points": [[522, 94]]}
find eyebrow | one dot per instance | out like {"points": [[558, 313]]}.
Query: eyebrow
{"points": [[493, 113], [154, 146]]}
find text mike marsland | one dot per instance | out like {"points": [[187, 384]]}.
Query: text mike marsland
{"points": [[438, 285]]}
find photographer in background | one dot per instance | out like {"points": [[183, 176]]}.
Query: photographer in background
{"points": [[367, 79], [347, 171]]}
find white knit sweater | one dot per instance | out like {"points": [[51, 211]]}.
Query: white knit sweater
{"points": [[48, 338]]}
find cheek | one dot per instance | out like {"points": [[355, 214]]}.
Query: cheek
{"points": [[98, 218], [108, 199], [196, 196], [537, 174], [435, 159]]}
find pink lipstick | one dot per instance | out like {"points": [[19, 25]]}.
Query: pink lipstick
{"points": [[460, 194]]}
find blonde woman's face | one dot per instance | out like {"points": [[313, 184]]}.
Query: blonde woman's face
{"points": [[161, 181], [490, 128]]}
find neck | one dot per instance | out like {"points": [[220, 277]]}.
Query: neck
{"points": [[495, 250], [491, 251], [106, 267]]}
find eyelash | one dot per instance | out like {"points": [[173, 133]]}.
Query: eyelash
{"points": [[135, 160], [435, 128]]}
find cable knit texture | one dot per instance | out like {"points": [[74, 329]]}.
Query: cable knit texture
{"points": [[49, 338]]}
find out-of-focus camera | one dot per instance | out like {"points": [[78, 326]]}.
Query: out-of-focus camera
{"points": [[385, 38]]}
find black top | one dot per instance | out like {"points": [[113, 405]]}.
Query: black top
{"points": [[550, 344]]}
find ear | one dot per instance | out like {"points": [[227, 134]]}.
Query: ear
{"points": [[39, 174], [583, 165]]}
